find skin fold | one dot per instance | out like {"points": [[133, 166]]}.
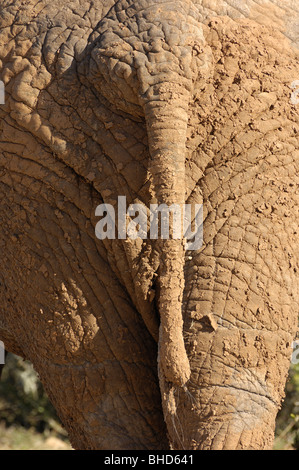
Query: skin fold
{"points": [[141, 344]]}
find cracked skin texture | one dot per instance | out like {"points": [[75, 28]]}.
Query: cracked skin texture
{"points": [[87, 313]]}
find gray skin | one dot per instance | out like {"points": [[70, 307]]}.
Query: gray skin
{"points": [[139, 344]]}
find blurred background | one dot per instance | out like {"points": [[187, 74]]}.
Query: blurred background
{"points": [[29, 422]]}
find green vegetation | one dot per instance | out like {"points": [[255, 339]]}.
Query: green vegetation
{"points": [[287, 429], [28, 420]]}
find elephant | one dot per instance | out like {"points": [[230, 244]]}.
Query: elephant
{"points": [[141, 343]]}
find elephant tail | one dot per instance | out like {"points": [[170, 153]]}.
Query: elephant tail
{"points": [[166, 114]]}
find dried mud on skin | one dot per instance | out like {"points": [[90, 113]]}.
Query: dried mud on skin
{"points": [[63, 153]]}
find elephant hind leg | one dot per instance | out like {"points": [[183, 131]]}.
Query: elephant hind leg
{"points": [[108, 405]]}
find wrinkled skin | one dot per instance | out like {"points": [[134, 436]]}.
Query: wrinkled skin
{"points": [[192, 106]]}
